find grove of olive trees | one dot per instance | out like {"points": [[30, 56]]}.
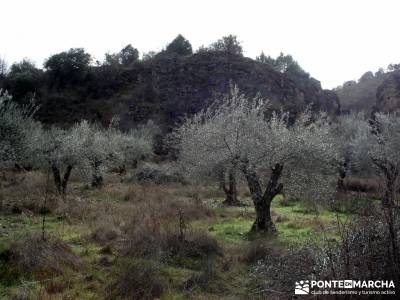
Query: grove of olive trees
{"points": [[257, 179], [86, 147]]}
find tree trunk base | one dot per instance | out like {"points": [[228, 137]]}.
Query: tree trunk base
{"points": [[231, 202], [268, 228], [97, 182]]}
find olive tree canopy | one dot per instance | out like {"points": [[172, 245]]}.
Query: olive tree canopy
{"points": [[383, 146], [273, 155], [15, 123]]}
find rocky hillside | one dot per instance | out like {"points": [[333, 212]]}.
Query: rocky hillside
{"points": [[372, 92], [162, 87], [360, 95], [169, 87], [388, 94]]}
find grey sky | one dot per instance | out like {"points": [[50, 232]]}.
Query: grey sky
{"points": [[334, 40]]}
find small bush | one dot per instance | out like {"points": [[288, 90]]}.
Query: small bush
{"points": [[256, 251], [40, 258], [206, 280], [136, 279], [366, 250], [363, 185], [145, 237], [351, 203], [161, 230], [194, 244], [104, 234], [8, 273], [155, 230], [158, 174], [152, 240], [280, 268], [281, 218]]}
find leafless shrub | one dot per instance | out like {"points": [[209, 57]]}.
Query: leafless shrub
{"points": [[55, 286], [136, 279], [280, 268], [207, 280], [365, 249], [25, 195], [256, 251], [105, 233], [154, 239], [193, 244], [145, 237], [33, 255], [366, 185], [158, 174], [162, 230]]}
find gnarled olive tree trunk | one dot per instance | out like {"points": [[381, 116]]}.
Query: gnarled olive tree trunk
{"points": [[230, 189], [61, 182], [97, 177], [262, 201], [391, 174], [341, 187]]}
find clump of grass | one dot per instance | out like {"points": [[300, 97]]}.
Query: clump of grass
{"points": [[155, 239], [283, 200], [207, 280], [161, 228], [136, 279], [280, 268], [256, 250], [195, 244], [105, 233], [33, 256], [232, 230], [281, 218]]}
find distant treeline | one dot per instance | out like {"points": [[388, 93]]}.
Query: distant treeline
{"points": [[161, 86]]}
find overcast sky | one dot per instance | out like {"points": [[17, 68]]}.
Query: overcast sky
{"points": [[334, 40]]}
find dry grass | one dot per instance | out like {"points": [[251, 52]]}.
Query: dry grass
{"points": [[162, 229], [23, 193], [146, 225], [255, 251], [136, 279], [43, 258]]}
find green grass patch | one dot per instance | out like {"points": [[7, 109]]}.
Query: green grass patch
{"points": [[295, 223], [233, 230]]}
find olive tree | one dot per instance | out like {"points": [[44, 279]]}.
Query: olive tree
{"points": [[380, 147], [383, 150], [86, 147], [15, 122], [58, 150], [227, 178], [348, 131], [109, 147], [135, 145], [3, 67], [271, 153]]}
